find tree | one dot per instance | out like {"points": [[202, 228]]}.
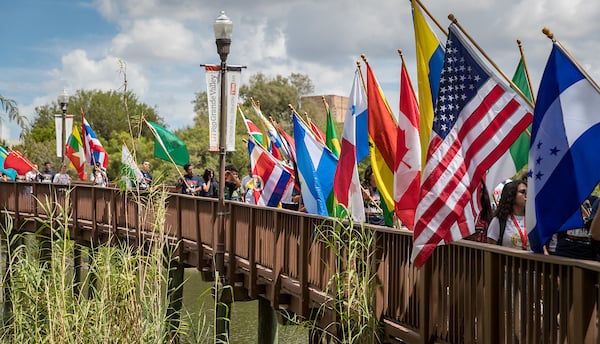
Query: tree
{"points": [[274, 94], [9, 108], [114, 116]]}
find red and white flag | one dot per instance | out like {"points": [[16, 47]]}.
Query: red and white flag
{"points": [[270, 177], [407, 175], [346, 183]]}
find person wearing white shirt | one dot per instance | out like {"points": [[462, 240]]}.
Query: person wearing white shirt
{"points": [[62, 177], [98, 176]]}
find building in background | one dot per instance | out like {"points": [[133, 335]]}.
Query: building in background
{"points": [[337, 104]]}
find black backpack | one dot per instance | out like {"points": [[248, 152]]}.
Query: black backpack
{"points": [[502, 230]]}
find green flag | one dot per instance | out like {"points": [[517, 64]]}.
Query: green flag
{"points": [[167, 144], [516, 157], [331, 139]]}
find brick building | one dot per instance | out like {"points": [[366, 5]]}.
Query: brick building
{"points": [[337, 104]]}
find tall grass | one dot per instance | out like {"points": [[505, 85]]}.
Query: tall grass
{"points": [[353, 283], [122, 297]]}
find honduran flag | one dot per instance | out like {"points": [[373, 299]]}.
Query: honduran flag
{"points": [[564, 155], [94, 151], [270, 177]]}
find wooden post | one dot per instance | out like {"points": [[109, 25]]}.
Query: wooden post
{"points": [[268, 328], [582, 322], [491, 296], [175, 292]]}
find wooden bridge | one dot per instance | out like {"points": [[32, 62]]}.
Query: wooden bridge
{"points": [[466, 293]]}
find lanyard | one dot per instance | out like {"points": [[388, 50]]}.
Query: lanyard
{"points": [[522, 232]]}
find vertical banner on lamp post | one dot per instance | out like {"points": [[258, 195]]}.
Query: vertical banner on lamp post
{"points": [[59, 131], [233, 77], [213, 91]]}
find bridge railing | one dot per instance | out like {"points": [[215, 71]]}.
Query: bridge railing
{"points": [[467, 292]]}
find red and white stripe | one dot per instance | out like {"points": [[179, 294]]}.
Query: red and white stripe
{"points": [[485, 129]]}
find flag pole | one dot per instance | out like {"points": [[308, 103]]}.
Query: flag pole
{"points": [[550, 35], [512, 84], [437, 23], [325, 105], [362, 78], [298, 115], [520, 45], [166, 151], [407, 74]]}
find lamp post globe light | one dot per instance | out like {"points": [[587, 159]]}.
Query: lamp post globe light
{"points": [[63, 100], [222, 27]]}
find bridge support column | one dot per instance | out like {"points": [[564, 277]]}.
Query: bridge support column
{"points": [[223, 309], [175, 291], [268, 329]]}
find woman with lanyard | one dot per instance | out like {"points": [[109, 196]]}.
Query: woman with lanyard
{"points": [[507, 228]]}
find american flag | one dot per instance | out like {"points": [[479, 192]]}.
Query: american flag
{"points": [[478, 116]]}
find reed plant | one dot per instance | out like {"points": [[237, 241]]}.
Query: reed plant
{"points": [[122, 297], [352, 286]]}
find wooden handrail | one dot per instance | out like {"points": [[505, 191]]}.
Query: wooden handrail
{"points": [[464, 291]]}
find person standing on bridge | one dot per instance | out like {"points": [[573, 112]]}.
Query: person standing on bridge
{"points": [[98, 175], [146, 176], [233, 190], [507, 228], [189, 183], [209, 187], [62, 177]]}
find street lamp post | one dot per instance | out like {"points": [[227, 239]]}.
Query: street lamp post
{"points": [[222, 27], [63, 100]]}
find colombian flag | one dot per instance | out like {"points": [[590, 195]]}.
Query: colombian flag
{"points": [[430, 59]]}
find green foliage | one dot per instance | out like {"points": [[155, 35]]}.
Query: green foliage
{"points": [[9, 108], [274, 94], [123, 295], [115, 118], [353, 282]]}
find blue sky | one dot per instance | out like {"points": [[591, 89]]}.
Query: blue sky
{"points": [[50, 45]]}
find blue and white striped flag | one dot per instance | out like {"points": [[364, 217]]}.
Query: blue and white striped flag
{"points": [[316, 168], [564, 155]]}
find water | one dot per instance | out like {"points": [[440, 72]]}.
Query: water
{"points": [[244, 315]]}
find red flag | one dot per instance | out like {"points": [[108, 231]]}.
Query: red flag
{"points": [[317, 132], [288, 140], [384, 137], [407, 175], [18, 161]]}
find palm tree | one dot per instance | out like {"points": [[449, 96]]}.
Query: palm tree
{"points": [[9, 107]]}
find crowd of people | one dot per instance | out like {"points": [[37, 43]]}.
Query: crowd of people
{"points": [[502, 223]]}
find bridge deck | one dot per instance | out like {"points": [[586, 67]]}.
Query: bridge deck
{"points": [[467, 292]]}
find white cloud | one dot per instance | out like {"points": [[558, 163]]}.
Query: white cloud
{"points": [[155, 39], [78, 71], [163, 43]]}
